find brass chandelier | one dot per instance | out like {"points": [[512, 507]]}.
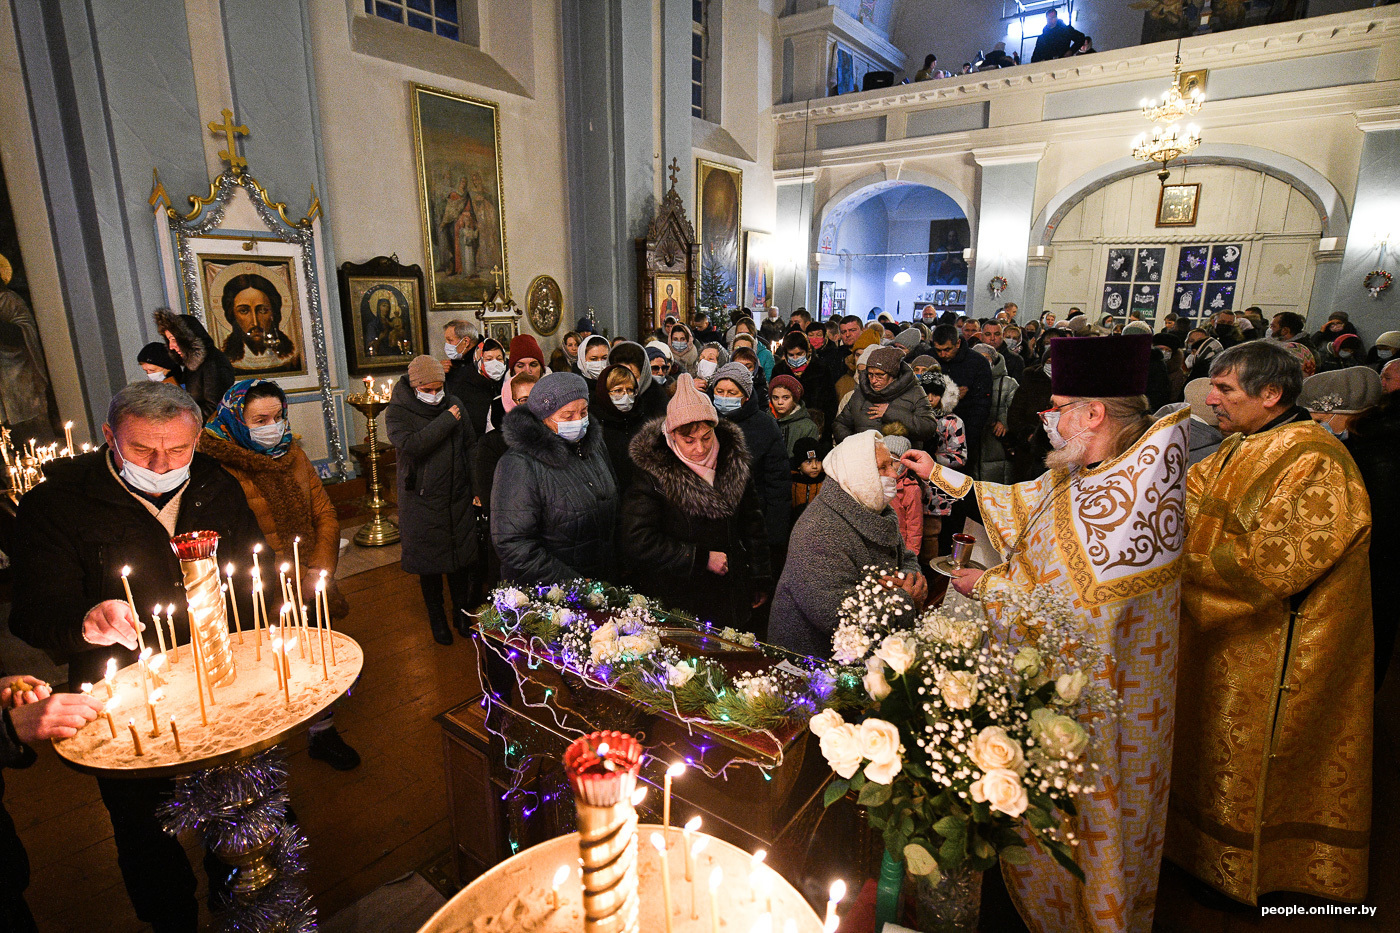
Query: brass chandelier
{"points": [[1171, 141]]}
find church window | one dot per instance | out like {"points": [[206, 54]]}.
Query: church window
{"points": [[438, 17], [1205, 279], [699, 51]]}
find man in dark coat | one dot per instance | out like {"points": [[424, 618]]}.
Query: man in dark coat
{"points": [[1026, 444], [798, 360], [435, 442], [95, 514], [974, 377], [1057, 39], [554, 501], [993, 337], [701, 547], [773, 326], [764, 439], [208, 372]]}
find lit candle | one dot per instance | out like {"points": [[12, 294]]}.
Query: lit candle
{"points": [[287, 670], [68, 437], [276, 657], [659, 841], [693, 852], [687, 831], [561, 874], [170, 624], [259, 611], [838, 892], [111, 675], [301, 604], [160, 634], [282, 581], [320, 627], [135, 616], [135, 738], [326, 608], [143, 673], [111, 723], [638, 796], [175, 734], [156, 663], [716, 879], [755, 866], [675, 771], [86, 689], [198, 676], [233, 601]]}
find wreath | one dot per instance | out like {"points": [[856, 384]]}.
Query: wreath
{"points": [[997, 285], [1375, 288]]}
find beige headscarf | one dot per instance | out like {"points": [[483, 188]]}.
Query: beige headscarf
{"points": [[852, 464]]}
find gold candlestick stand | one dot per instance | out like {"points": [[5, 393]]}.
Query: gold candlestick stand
{"points": [[379, 530]]}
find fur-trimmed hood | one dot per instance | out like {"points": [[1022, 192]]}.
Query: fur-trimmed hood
{"points": [[524, 432], [274, 477], [680, 484], [190, 336]]}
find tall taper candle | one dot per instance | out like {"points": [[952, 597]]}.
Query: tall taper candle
{"points": [[233, 600], [659, 841], [320, 625], [160, 633], [716, 879], [135, 616], [675, 771]]}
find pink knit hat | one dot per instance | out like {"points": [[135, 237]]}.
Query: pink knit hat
{"points": [[688, 405]]}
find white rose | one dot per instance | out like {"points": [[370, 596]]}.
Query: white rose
{"points": [[565, 617], [950, 631], [898, 652], [824, 722], [884, 772], [848, 644], [1027, 662], [841, 747], [595, 601], [514, 599], [959, 688], [1070, 686], [1002, 789], [1058, 736], [680, 674], [874, 679], [879, 740], [639, 601], [637, 645], [555, 595], [993, 748]]}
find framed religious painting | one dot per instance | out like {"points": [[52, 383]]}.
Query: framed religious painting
{"points": [[758, 269], [381, 308], [719, 209], [253, 309], [1177, 205], [669, 297], [825, 305], [457, 142]]}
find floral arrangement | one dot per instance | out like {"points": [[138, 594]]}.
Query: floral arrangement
{"points": [[966, 737], [613, 636]]}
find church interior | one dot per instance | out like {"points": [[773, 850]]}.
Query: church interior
{"points": [[389, 166]]}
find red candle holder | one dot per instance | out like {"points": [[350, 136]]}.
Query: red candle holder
{"points": [[602, 767]]}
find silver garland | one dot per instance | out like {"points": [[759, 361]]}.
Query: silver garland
{"points": [[240, 805], [212, 217]]}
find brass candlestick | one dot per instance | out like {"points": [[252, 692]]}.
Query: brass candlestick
{"points": [[379, 530], [199, 562], [602, 770]]}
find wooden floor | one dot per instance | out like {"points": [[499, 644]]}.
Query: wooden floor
{"points": [[388, 817]]}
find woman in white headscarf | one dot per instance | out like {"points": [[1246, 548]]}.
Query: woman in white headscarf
{"points": [[848, 527]]}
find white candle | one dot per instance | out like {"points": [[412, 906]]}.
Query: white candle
{"points": [[691, 826], [301, 603], [755, 866], [693, 852], [561, 874], [838, 892], [160, 634], [111, 676], [659, 841], [716, 879], [320, 624], [675, 771]]}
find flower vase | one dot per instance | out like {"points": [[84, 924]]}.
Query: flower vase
{"points": [[952, 904]]}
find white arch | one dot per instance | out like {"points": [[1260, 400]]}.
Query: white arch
{"points": [[839, 205], [1311, 183]]}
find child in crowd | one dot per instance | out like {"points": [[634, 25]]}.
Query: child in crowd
{"points": [[923, 365], [807, 473], [949, 449], [785, 401], [910, 499]]}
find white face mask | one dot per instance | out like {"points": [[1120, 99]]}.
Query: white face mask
{"points": [[152, 483], [495, 369], [890, 487], [429, 398], [624, 402], [594, 368], [268, 435], [573, 430], [451, 350], [706, 368], [157, 376], [1052, 431], [1384, 353], [659, 379]]}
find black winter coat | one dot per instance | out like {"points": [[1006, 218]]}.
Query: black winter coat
{"points": [[208, 372], [818, 389], [74, 533], [553, 504], [973, 373], [672, 520], [436, 515], [619, 427], [473, 390], [768, 463]]}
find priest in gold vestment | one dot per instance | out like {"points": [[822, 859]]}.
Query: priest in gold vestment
{"points": [[1105, 525], [1271, 775]]}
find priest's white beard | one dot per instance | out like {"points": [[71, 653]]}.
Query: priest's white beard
{"points": [[1072, 456]]}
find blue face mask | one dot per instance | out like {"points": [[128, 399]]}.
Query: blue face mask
{"points": [[797, 362], [573, 430], [727, 406]]}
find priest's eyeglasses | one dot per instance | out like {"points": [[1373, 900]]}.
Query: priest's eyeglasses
{"points": [[1057, 409]]}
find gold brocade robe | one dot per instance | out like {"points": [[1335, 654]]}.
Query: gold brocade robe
{"points": [[1110, 536], [1271, 782]]}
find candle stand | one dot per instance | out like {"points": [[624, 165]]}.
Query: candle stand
{"points": [[379, 530]]}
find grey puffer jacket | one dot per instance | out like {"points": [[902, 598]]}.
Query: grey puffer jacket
{"points": [[908, 405], [995, 466], [554, 504], [435, 449], [833, 542]]}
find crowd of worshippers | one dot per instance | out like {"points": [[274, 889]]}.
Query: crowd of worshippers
{"points": [[1057, 40]]}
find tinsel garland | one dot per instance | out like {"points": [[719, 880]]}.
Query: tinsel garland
{"points": [[239, 806]]}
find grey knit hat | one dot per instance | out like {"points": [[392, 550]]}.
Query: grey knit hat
{"points": [[907, 338], [736, 373], [898, 446], [1342, 391], [555, 391]]}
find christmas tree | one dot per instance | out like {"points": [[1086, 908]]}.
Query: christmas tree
{"points": [[716, 291]]}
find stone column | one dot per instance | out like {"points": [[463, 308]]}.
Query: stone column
{"points": [[1037, 272], [1005, 211], [1328, 260], [1372, 219]]}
